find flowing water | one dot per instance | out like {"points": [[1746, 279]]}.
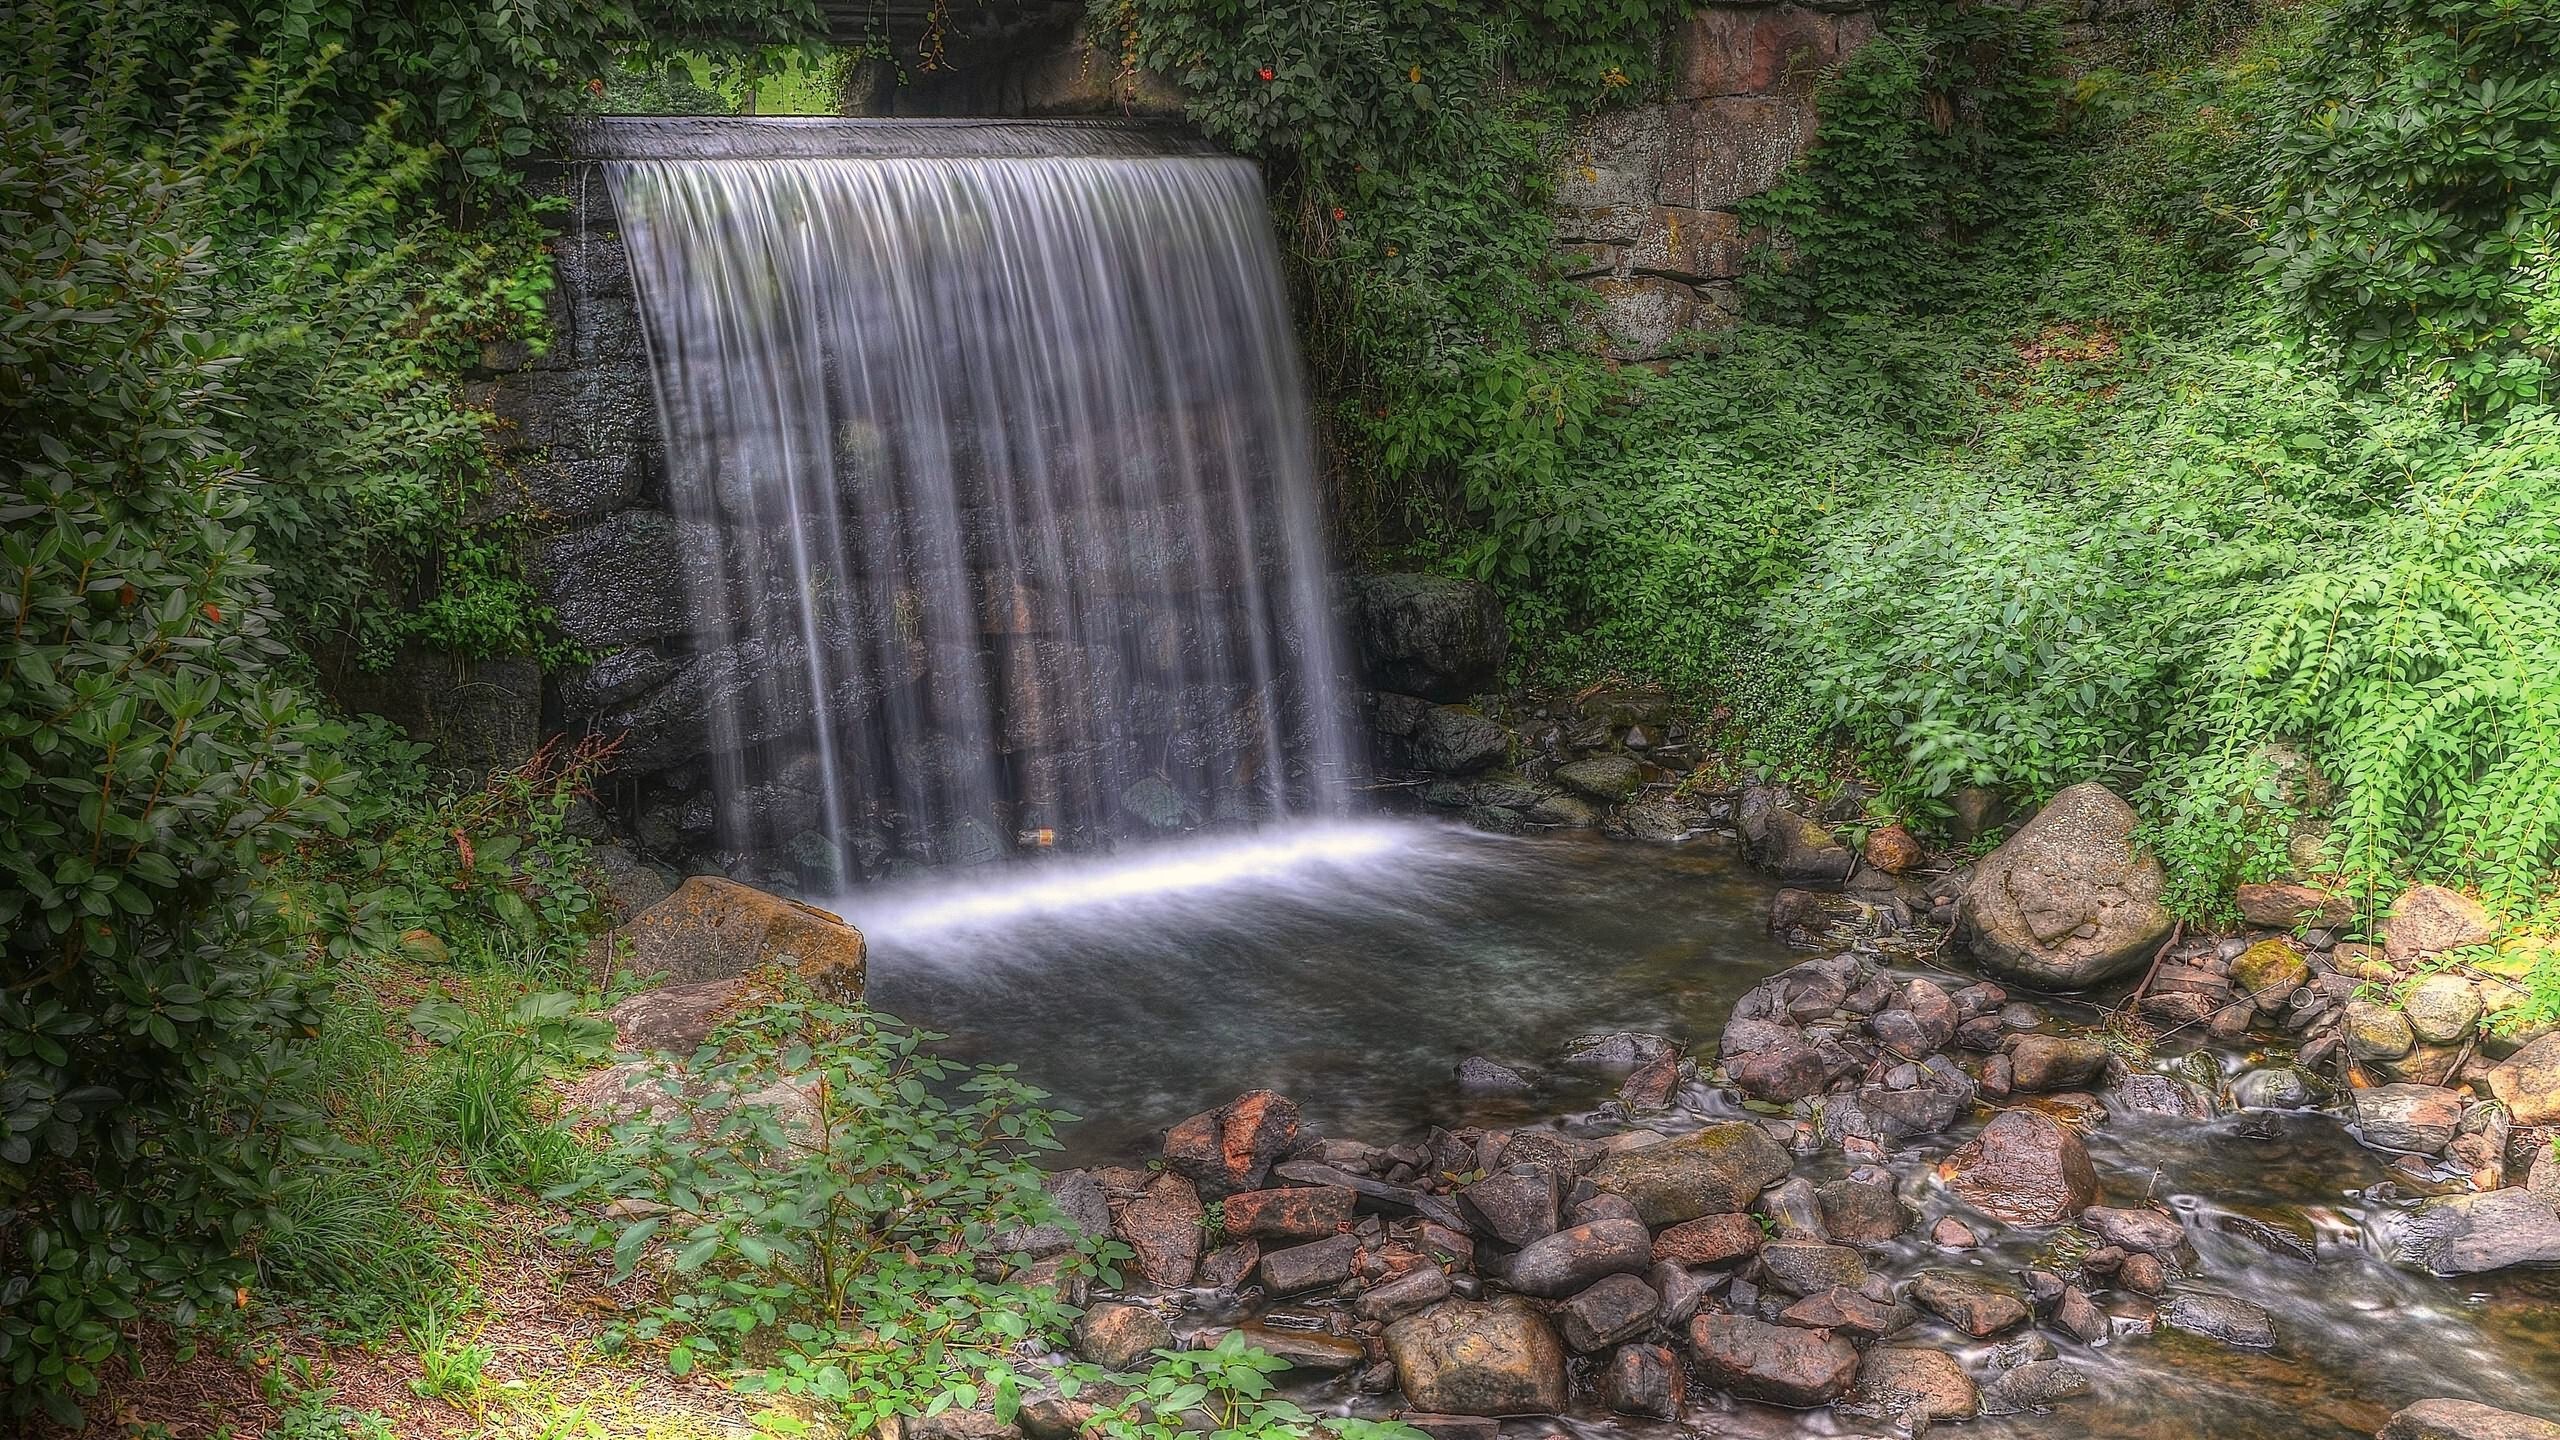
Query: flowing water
{"points": [[996, 479], [1351, 966]]}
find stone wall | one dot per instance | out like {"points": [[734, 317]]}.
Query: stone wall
{"points": [[1645, 196]]}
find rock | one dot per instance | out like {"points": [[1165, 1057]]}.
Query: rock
{"points": [[1778, 1364], [1228, 1266], [1784, 1069], [1973, 1306], [1681, 1291], [1847, 1312], [1307, 1212], [1119, 1336], [2143, 1274], [1604, 778], [2147, 1093], [715, 929], [1974, 811], [2236, 1323], [1618, 1053], [2147, 1231], [1893, 850], [1417, 1289], [1461, 1357], [957, 1424], [2076, 1312], [2066, 903], [2025, 1168], [1515, 1206], [1710, 1240], [674, 1019], [2474, 1234], [1915, 1385], [2291, 905], [1715, 1170], [1313, 1352], [1429, 635], [2442, 1009], [1601, 1206], [2417, 1119], [1163, 1225], [1301, 1268], [1792, 1210], [2055, 1062], [1481, 1077], [1644, 1380], [1083, 1210], [1951, 1233], [2376, 1031], [2429, 919], [1560, 1264], [1800, 1267], [1615, 1308], [2280, 1087], [629, 884], [1454, 740], [2032, 1386], [1799, 850], [1232, 1147], [1862, 1209], [2269, 971], [2464, 1420], [2528, 1083]]}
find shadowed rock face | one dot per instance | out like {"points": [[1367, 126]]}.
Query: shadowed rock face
{"points": [[2066, 903]]}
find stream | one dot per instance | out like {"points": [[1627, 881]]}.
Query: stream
{"points": [[1351, 966]]}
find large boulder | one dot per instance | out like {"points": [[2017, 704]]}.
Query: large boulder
{"points": [[2067, 902], [2528, 1082], [1713, 1171], [1464, 1358], [1429, 635], [2464, 1420], [2026, 1168], [715, 929], [2472, 1234], [2430, 919]]}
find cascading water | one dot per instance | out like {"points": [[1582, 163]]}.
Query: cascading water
{"points": [[996, 476]]}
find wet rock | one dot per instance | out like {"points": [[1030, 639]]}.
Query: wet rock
{"points": [[1307, 1350], [1943, 1095], [1716, 1170], [1301, 1268], [2279, 1087], [1119, 1337], [2036, 1385], [1562, 1263], [1449, 1427], [2236, 1323], [2376, 1031], [1953, 1234], [1862, 1209], [1615, 1308], [1162, 1224], [2269, 971], [1680, 1289], [2292, 1240], [1607, 779], [2076, 1312], [1799, 850], [2291, 905], [1428, 635], [1227, 1267], [1785, 1068], [2067, 902], [2417, 1119], [1650, 1089], [1793, 1211], [2143, 1274], [1893, 849], [1779, 1364], [1849, 1312], [2147, 1231], [1417, 1289], [1644, 1380], [1798, 1267], [1617, 1053], [2429, 919], [2528, 1082], [2025, 1168], [1975, 1306], [1915, 1385], [2055, 1062], [1454, 740], [2474, 1234], [2464, 1420], [1515, 1206], [1232, 1147], [2442, 1009], [1710, 1240], [1481, 1077], [2147, 1093], [1601, 1206], [715, 929], [1305, 1212], [1462, 1357]]}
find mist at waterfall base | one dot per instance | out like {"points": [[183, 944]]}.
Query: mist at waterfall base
{"points": [[1352, 965], [997, 493]]}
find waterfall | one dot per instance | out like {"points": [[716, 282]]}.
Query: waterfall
{"points": [[996, 480]]}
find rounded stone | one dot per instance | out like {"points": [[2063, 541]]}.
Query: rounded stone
{"points": [[2376, 1031], [2442, 1008]]}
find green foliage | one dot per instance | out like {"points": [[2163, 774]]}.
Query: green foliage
{"points": [[819, 1194], [2414, 205], [1227, 1390]]}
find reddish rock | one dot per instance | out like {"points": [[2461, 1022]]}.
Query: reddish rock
{"points": [[1644, 1380], [1850, 1312], [1973, 1306], [2291, 905], [1762, 49], [1891, 849], [1710, 1240], [1918, 1385], [1308, 1212], [2025, 1168], [1226, 1267], [1232, 1147], [1464, 1358], [2055, 1062], [1779, 1364], [2430, 919], [1651, 1087], [1163, 1224]]}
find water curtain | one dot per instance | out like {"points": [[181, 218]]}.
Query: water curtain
{"points": [[996, 479]]}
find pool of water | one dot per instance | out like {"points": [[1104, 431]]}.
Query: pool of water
{"points": [[1352, 966]]}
